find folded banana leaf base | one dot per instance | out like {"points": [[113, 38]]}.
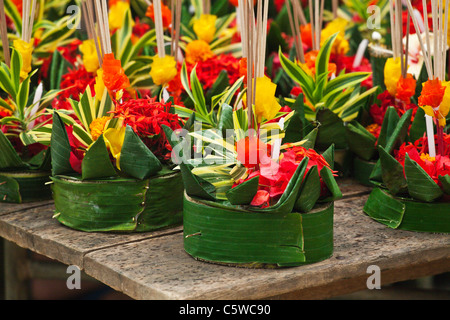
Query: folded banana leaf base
{"points": [[24, 186], [408, 214], [119, 204], [362, 170], [231, 236]]}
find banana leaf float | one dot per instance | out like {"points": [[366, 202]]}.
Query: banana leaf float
{"points": [[91, 190], [229, 216], [24, 144], [330, 102], [411, 187]]}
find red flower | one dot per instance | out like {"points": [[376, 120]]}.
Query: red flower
{"points": [[434, 167], [208, 70], [77, 153], [146, 116], [275, 176], [72, 85]]}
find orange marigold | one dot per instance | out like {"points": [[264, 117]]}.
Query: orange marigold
{"points": [[198, 50], [406, 88], [165, 12], [97, 127], [432, 93]]}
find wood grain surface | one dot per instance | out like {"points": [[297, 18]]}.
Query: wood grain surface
{"points": [[154, 265]]}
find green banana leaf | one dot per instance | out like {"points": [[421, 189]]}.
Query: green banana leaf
{"points": [[408, 214], [420, 184], [119, 204], [24, 186], [256, 239]]}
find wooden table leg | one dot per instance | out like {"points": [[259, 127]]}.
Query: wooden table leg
{"points": [[16, 272]]}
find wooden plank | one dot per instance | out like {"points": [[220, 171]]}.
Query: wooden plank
{"points": [[6, 208], [159, 268], [351, 188], [35, 229]]}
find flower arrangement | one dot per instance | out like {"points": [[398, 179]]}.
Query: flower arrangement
{"points": [[412, 174], [24, 157], [114, 144], [247, 173]]}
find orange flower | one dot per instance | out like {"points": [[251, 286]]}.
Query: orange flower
{"points": [[432, 93], [406, 88], [97, 127], [310, 62], [305, 31], [114, 76], [198, 50], [165, 12], [243, 69]]}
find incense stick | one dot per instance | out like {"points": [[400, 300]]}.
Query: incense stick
{"points": [[4, 34]]}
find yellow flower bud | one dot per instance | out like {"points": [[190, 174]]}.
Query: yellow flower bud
{"points": [[163, 69], [116, 15], [266, 105], [99, 86], [205, 27], [90, 58], [392, 74], [25, 49]]}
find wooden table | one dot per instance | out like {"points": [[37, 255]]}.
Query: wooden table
{"points": [[154, 265]]}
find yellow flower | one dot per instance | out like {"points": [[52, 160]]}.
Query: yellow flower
{"points": [[198, 50], [392, 74], [25, 49], [97, 126], [340, 45], [266, 105], [99, 86], [114, 140], [90, 58], [426, 156], [444, 108], [116, 15], [163, 69], [205, 27]]}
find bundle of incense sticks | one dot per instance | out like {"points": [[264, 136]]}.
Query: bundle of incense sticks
{"points": [[28, 12], [4, 34], [294, 17], [175, 31], [253, 39], [435, 67], [100, 31], [88, 17], [316, 20], [396, 14]]}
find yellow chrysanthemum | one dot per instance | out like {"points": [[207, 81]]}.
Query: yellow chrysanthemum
{"points": [[163, 69], [116, 15], [392, 74], [97, 126], [205, 27], [426, 156], [114, 140], [266, 105], [25, 49], [99, 86], [340, 45], [198, 50], [90, 58]]}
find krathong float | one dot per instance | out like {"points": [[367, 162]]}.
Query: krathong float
{"points": [[24, 156], [414, 175], [252, 199], [331, 99], [111, 169]]}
